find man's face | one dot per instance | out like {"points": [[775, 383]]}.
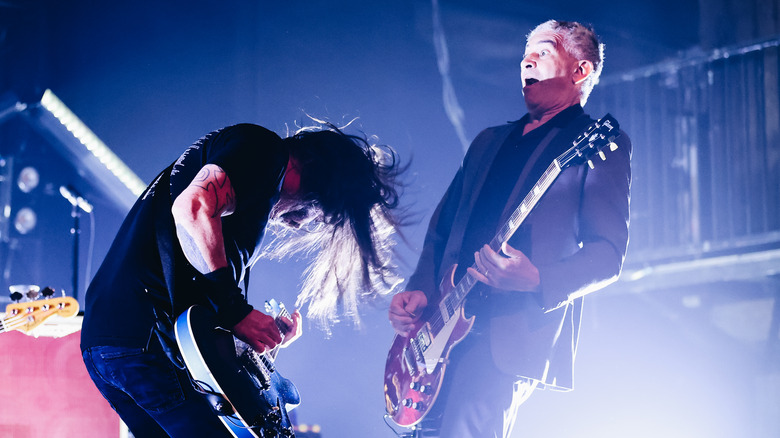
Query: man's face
{"points": [[545, 58], [295, 213]]}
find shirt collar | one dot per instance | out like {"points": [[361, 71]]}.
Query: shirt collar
{"points": [[560, 120]]}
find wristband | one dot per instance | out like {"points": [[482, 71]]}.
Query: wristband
{"points": [[226, 297]]}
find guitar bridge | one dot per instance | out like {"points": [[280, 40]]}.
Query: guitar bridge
{"points": [[414, 356], [256, 368], [410, 360]]}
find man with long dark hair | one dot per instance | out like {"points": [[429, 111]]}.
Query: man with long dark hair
{"points": [[528, 296], [192, 237]]}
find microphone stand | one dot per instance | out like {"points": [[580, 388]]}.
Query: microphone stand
{"points": [[75, 213], [78, 204]]}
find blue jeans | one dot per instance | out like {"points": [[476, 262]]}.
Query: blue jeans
{"points": [[153, 398]]}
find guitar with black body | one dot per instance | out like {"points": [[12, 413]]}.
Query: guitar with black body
{"points": [[243, 386], [415, 364]]}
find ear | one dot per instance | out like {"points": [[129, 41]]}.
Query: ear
{"points": [[584, 69]]}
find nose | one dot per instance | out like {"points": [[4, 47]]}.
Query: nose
{"points": [[528, 62], [296, 219]]}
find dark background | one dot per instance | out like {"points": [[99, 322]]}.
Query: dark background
{"points": [[150, 77]]}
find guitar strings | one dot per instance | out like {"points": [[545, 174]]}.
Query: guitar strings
{"points": [[271, 355], [14, 322], [518, 216]]}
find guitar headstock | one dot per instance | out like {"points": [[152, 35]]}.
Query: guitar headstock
{"points": [[275, 308], [596, 137], [29, 315]]}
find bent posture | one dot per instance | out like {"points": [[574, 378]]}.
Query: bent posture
{"points": [[191, 239]]}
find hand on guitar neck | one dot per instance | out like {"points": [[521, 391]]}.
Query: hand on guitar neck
{"points": [[264, 333], [514, 271], [291, 329]]}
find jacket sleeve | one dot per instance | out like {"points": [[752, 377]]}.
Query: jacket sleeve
{"points": [[425, 275], [602, 233], [443, 220]]}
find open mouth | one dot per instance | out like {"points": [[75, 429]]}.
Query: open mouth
{"points": [[531, 81]]}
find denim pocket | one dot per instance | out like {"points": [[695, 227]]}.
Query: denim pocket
{"points": [[149, 378]]}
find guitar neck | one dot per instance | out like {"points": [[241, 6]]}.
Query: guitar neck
{"points": [[278, 311], [467, 282], [12, 322], [28, 315]]}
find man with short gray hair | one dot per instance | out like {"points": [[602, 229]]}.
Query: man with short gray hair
{"points": [[529, 289]]}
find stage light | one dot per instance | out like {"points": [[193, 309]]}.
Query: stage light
{"points": [[92, 143], [25, 220], [28, 179]]}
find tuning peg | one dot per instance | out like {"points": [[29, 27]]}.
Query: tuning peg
{"points": [[590, 164], [19, 291], [613, 146], [47, 292], [602, 156]]}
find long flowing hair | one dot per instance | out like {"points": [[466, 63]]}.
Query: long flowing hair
{"points": [[353, 184]]}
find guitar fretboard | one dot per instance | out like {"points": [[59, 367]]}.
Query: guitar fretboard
{"points": [[278, 311], [450, 303]]}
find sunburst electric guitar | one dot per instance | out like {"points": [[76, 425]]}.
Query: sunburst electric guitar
{"points": [[415, 364], [244, 388]]}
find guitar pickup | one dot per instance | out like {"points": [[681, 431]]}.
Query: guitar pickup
{"points": [[414, 354], [446, 309], [411, 362], [423, 339]]}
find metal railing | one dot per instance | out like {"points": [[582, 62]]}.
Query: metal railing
{"points": [[706, 163]]}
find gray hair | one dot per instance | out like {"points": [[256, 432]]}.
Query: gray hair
{"points": [[580, 41]]}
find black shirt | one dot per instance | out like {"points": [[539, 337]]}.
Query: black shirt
{"points": [[511, 158], [120, 298]]}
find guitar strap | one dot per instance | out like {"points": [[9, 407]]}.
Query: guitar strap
{"points": [[164, 325], [164, 230], [541, 158], [476, 178]]}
